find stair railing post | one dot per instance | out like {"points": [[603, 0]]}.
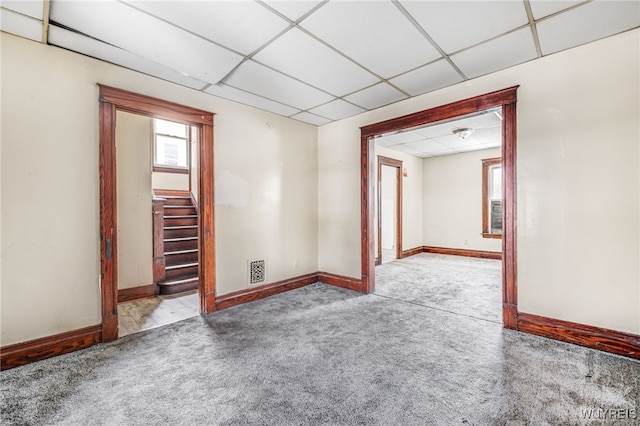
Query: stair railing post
{"points": [[158, 243]]}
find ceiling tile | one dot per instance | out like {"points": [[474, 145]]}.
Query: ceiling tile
{"points": [[310, 118], [231, 24], [384, 142], [20, 25], [542, 8], [586, 23], [407, 150], [428, 78], [123, 26], [376, 96], [247, 98], [428, 145], [497, 54], [375, 34], [34, 8], [293, 9], [405, 136], [261, 80], [303, 57], [457, 143], [106, 52], [454, 25], [337, 110]]}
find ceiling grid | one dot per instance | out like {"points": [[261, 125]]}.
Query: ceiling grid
{"points": [[317, 61]]}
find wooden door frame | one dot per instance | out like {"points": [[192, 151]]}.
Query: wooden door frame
{"points": [[506, 99], [112, 100], [397, 164]]}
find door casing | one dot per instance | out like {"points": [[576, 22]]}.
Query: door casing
{"points": [[111, 100]]}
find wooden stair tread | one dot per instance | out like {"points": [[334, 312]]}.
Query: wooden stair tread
{"points": [[182, 265], [179, 281], [180, 227], [169, 240], [168, 253]]}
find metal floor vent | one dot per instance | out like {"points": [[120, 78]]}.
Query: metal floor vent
{"points": [[257, 272]]}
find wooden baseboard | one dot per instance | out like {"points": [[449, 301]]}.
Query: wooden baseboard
{"points": [[249, 295], [340, 281], [584, 335], [412, 252], [135, 293], [463, 252], [46, 347]]}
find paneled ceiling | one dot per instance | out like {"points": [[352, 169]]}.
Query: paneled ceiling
{"points": [[448, 137], [317, 61]]}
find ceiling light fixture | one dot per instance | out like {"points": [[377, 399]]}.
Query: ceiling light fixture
{"points": [[463, 133]]}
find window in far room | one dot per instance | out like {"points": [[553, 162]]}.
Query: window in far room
{"points": [[492, 198], [170, 146]]}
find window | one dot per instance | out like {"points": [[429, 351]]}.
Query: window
{"points": [[170, 146], [492, 198]]}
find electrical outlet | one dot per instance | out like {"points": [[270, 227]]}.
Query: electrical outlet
{"points": [[296, 264], [466, 242]]}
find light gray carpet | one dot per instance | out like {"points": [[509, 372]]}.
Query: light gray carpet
{"points": [[462, 285], [322, 355]]}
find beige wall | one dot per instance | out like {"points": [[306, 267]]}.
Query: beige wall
{"points": [[173, 181], [50, 193], [412, 193], [135, 227], [453, 201], [578, 181]]}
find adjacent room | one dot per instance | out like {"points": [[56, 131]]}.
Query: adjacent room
{"points": [[440, 215], [319, 212]]}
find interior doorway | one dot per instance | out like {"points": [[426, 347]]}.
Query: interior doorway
{"points": [[113, 100], [157, 181], [389, 211], [505, 100]]}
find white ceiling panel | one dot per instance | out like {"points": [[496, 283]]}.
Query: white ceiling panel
{"points": [[455, 25], [21, 25], [376, 34], [587, 23], [293, 9], [91, 47], [336, 110], [384, 142], [34, 8], [263, 81], [457, 143], [303, 57], [404, 137], [407, 150], [428, 78], [542, 8], [376, 96], [310, 119], [139, 33], [231, 24], [247, 98], [428, 145], [497, 54], [489, 135]]}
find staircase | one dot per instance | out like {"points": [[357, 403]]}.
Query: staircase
{"points": [[180, 242]]}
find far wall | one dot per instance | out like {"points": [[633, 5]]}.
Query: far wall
{"points": [[452, 202], [442, 200]]}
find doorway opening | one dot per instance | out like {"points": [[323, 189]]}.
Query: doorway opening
{"points": [[452, 204], [505, 102], [113, 101], [389, 211]]}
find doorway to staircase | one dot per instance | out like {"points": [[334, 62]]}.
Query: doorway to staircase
{"points": [[182, 273]]}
